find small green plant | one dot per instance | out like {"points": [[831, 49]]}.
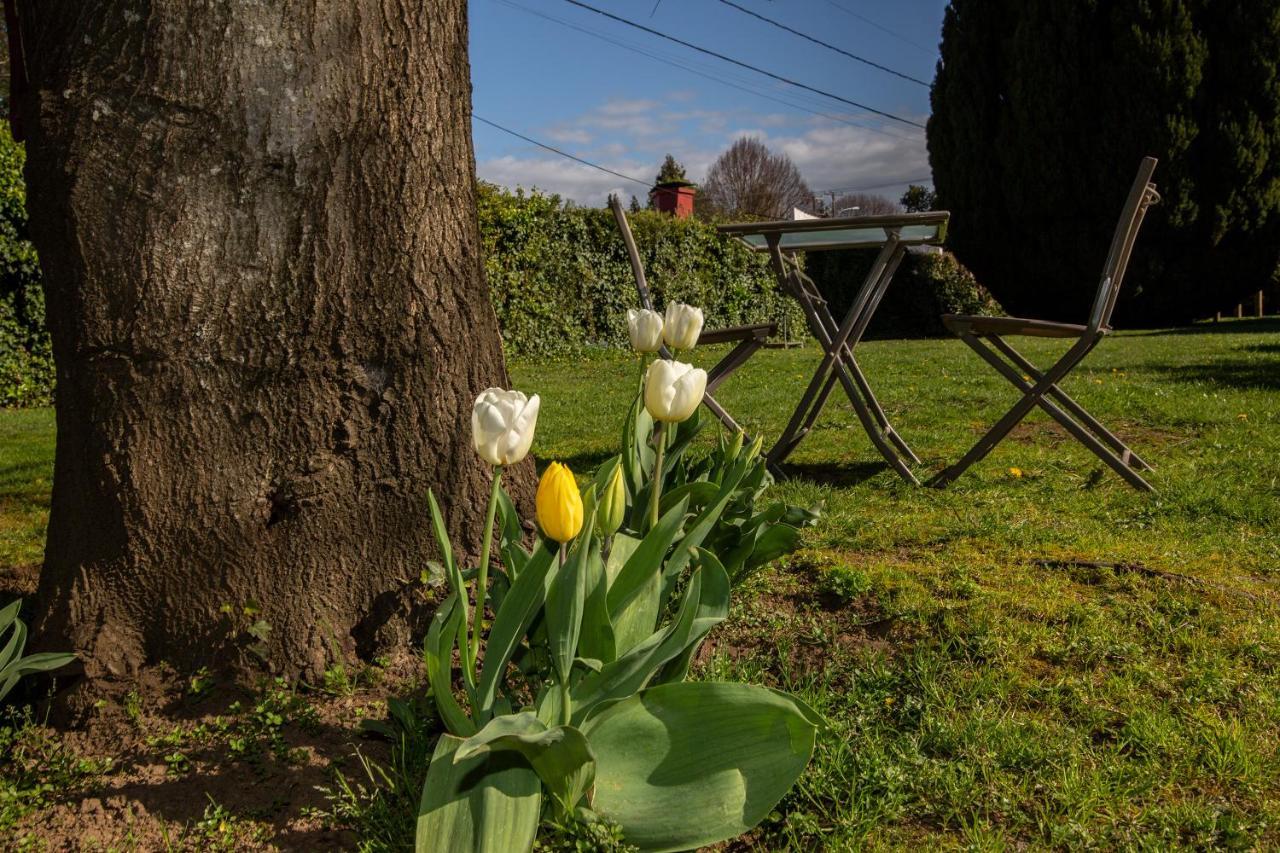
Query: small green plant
{"points": [[133, 706], [845, 583], [13, 665], [200, 684]]}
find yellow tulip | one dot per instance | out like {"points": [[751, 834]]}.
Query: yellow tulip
{"points": [[559, 503]]}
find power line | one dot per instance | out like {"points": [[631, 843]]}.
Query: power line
{"points": [[821, 43], [869, 22], [555, 150], [669, 59], [742, 64]]}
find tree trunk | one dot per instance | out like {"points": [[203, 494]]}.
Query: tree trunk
{"points": [[257, 227]]}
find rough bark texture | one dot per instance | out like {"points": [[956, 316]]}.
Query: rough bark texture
{"points": [[256, 220]]}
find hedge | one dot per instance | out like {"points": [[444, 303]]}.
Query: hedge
{"points": [[926, 286], [26, 359], [560, 280], [558, 277]]}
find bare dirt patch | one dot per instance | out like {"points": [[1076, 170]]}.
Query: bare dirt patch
{"points": [[187, 762]]}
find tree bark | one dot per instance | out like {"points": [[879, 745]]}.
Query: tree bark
{"points": [[256, 222]]}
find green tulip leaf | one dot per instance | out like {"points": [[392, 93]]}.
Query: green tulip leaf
{"points": [[560, 755], [705, 604], [519, 608], [681, 766], [438, 651], [489, 803]]}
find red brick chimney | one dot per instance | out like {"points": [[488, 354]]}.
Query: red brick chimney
{"points": [[674, 197]]}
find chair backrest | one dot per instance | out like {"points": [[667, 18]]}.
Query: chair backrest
{"points": [[1141, 196], [637, 268]]}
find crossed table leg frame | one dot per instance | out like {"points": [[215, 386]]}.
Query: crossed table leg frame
{"points": [[838, 362]]}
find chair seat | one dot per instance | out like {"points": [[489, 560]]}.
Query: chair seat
{"points": [[758, 331], [979, 325]]}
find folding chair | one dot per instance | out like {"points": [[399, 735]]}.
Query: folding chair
{"points": [[750, 338], [984, 336]]}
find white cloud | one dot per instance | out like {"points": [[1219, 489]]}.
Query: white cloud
{"points": [[576, 136], [844, 156], [571, 180]]}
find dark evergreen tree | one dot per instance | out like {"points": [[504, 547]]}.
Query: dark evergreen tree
{"points": [[1041, 112]]}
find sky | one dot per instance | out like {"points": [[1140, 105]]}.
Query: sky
{"points": [[621, 98]]}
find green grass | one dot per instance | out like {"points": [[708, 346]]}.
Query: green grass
{"points": [[982, 687], [26, 476]]}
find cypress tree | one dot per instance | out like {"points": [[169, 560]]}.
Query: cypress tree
{"points": [[1041, 112]]}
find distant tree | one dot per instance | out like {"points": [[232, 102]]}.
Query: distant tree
{"points": [[918, 199], [750, 180], [635, 205], [671, 172], [868, 204], [1041, 112]]}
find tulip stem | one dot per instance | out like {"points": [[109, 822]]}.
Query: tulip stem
{"points": [[655, 490], [566, 703], [482, 578]]}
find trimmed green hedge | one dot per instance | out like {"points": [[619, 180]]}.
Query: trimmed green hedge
{"points": [[26, 359], [925, 287], [558, 277], [560, 280]]}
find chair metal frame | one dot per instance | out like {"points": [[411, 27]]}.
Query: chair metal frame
{"points": [[983, 336], [750, 338]]}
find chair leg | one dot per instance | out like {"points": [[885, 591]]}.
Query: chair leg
{"points": [[998, 431], [1076, 409], [732, 361], [1032, 396]]}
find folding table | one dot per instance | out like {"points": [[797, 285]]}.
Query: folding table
{"points": [[892, 235]]}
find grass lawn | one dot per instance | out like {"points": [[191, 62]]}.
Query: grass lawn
{"points": [[1037, 656]]}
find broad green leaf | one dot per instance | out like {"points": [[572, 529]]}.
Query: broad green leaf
{"points": [[698, 531], [596, 639], [685, 765], [487, 804], [712, 608], [10, 613], [438, 649], [705, 603], [621, 549], [699, 492], [560, 755], [638, 618], [17, 642], [646, 560], [519, 607], [565, 600]]}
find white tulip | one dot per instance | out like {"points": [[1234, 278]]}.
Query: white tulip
{"points": [[673, 390], [683, 326], [502, 425], [645, 327]]}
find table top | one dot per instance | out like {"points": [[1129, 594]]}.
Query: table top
{"points": [[844, 232]]}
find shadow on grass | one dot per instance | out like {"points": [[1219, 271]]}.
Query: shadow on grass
{"points": [[834, 473], [582, 464], [1242, 373]]}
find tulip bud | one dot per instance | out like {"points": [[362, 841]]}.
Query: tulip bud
{"points": [[559, 503], [502, 425], [673, 390], [645, 328], [683, 325], [754, 449], [735, 445], [613, 504]]}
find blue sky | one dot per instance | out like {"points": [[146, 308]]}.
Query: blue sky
{"points": [[606, 102]]}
